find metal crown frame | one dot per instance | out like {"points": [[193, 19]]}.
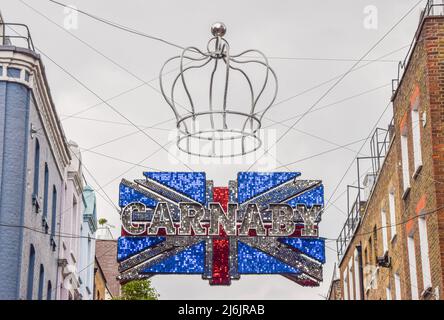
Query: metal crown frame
{"points": [[220, 128]]}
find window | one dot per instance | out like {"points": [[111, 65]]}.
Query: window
{"points": [[370, 251], [375, 245], [416, 132], [356, 271], [45, 192], [89, 275], [74, 220], [14, 73], [41, 282], [49, 291], [350, 278], [384, 232], [388, 293], [31, 262], [392, 210], [412, 267], [366, 257], [54, 211], [405, 158], [345, 282], [397, 287], [36, 169], [424, 247]]}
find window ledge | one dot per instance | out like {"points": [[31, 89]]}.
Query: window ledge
{"points": [[45, 225], [417, 171], [52, 243], [73, 257], [406, 193], [36, 203], [427, 292]]}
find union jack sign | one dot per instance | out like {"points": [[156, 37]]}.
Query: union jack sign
{"points": [[262, 223]]}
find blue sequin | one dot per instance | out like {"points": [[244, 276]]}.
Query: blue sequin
{"points": [[128, 195], [251, 184], [130, 246], [314, 248], [189, 261], [253, 261], [191, 184], [312, 197]]}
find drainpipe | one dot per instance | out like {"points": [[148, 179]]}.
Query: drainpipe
{"points": [[62, 200]]}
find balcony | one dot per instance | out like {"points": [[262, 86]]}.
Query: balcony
{"points": [[433, 8], [15, 34], [359, 193]]}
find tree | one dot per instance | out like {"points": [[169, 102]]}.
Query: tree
{"points": [[138, 290], [103, 221]]}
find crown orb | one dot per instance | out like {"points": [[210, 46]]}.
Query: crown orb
{"points": [[218, 29]]}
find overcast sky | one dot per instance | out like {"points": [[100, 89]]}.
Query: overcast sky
{"points": [[332, 32]]}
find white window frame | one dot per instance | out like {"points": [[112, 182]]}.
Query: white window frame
{"points": [[350, 278], [356, 273], [384, 231], [345, 283], [424, 254], [392, 210], [405, 158], [416, 134], [397, 287], [412, 267], [388, 293]]}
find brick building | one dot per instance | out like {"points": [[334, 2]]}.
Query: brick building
{"points": [[101, 291], [392, 244], [107, 268], [334, 292]]}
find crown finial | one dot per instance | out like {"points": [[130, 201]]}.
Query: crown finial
{"points": [[218, 29]]}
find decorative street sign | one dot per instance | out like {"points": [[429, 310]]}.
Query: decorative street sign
{"points": [[262, 223]]}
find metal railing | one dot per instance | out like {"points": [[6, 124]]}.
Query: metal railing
{"points": [[432, 8], [16, 34], [379, 145]]}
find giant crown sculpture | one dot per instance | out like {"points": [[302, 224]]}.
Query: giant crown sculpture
{"points": [[226, 118]]}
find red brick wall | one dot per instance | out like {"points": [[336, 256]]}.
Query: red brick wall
{"points": [[424, 76], [106, 254]]}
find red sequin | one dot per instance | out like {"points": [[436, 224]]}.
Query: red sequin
{"points": [[221, 245]]}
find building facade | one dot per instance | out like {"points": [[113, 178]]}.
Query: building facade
{"points": [[70, 220], [392, 244], [334, 291], [41, 185], [101, 290], [107, 265], [87, 244]]}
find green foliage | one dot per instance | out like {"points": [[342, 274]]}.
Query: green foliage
{"points": [[138, 290], [103, 221]]}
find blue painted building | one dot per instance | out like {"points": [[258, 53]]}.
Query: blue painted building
{"points": [[37, 180]]}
